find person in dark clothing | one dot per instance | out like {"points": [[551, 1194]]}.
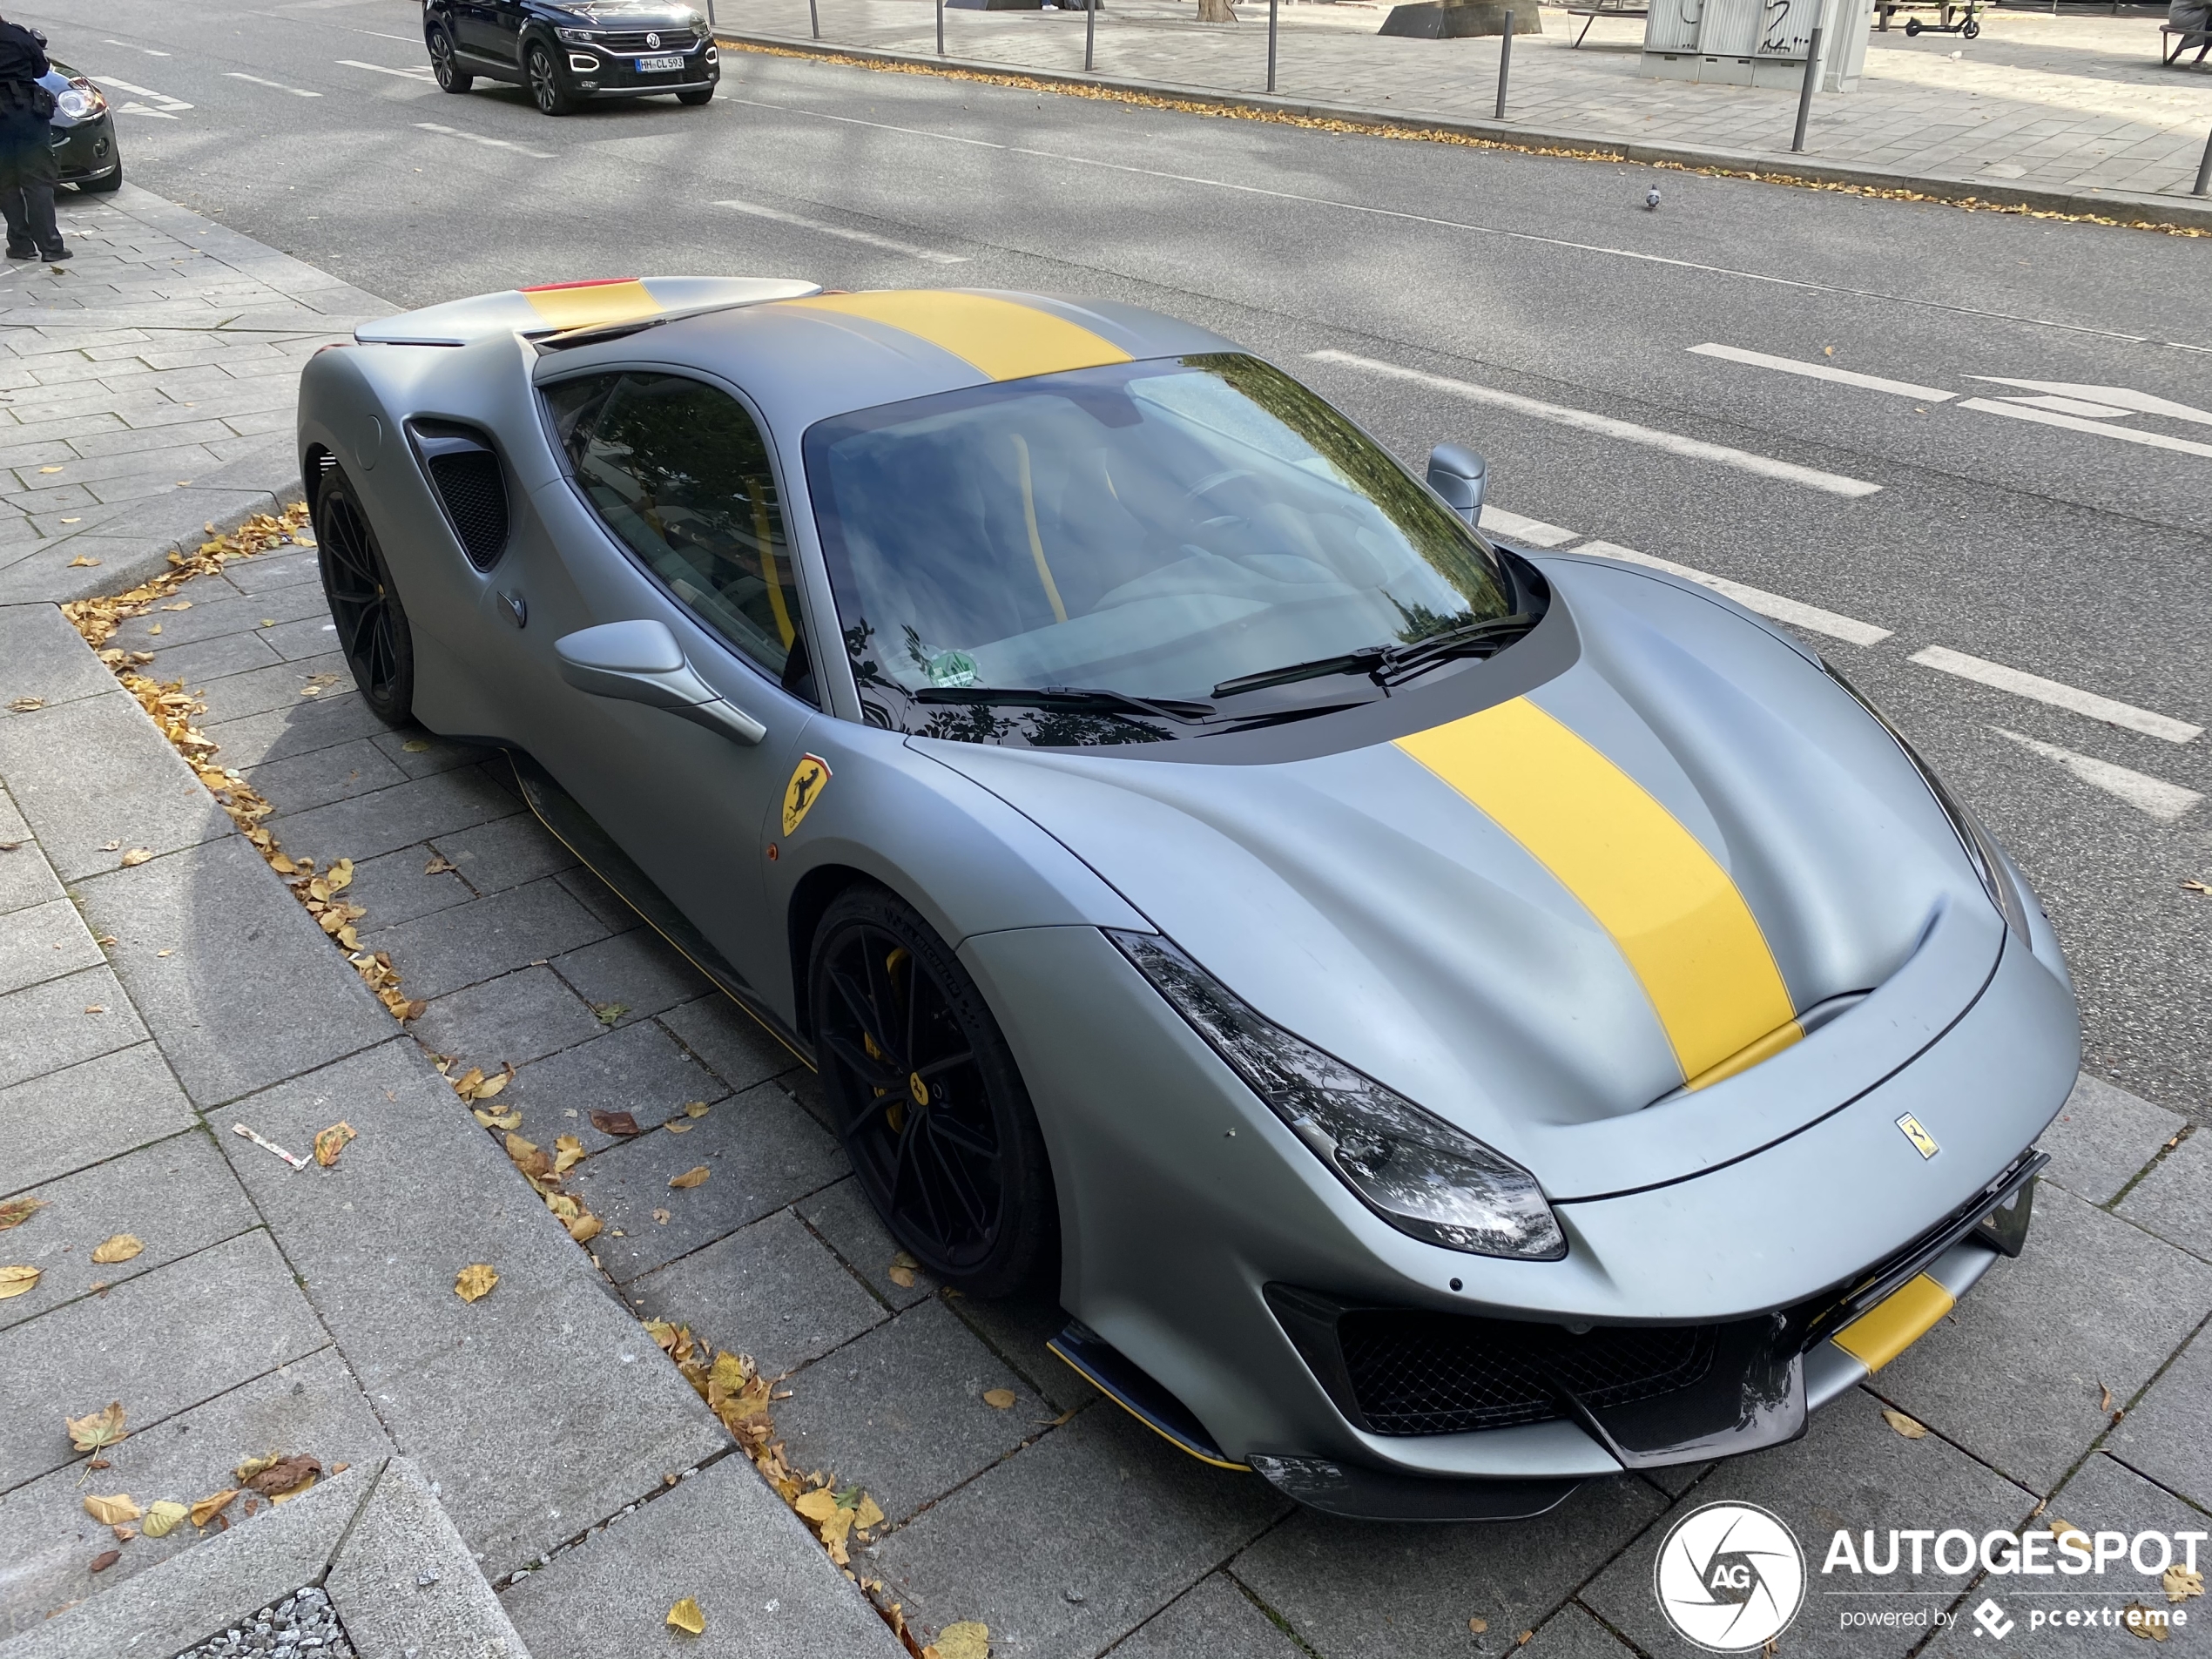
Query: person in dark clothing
{"points": [[27, 171]]}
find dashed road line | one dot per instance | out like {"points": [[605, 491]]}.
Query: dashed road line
{"points": [[128, 47], [1793, 611], [2076, 423], [2035, 686], [2126, 396], [1825, 372], [169, 106], [1534, 531], [420, 73], [890, 244], [2162, 800], [296, 91], [496, 143], [1606, 426]]}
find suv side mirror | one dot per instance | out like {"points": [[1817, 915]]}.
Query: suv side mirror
{"points": [[1459, 474], [640, 662]]}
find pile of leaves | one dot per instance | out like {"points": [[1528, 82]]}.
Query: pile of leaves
{"points": [[740, 1397], [174, 710], [546, 1172]]}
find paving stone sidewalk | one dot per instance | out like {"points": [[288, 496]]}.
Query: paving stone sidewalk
{"points": [[2073, 105], [145, 1010]]}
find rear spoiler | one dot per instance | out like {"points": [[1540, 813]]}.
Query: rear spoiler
{"points": [[558, 307]]}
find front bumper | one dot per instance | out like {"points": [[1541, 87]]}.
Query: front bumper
{"points": [[86, 150], [594, 73], [1184, 1200]]}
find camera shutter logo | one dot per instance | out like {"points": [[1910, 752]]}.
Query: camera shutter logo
{"points": [[1730, 1577]]}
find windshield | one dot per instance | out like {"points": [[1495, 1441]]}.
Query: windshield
{"points": [[1154, 530]]}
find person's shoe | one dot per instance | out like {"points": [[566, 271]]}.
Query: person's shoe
{"points": [[56, 254], [17, 251]]}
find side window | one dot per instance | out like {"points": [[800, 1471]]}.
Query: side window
{"points": [[680, 474]]}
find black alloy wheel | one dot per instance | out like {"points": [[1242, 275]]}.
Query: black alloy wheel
{"points": [[927, 1098], [373, 631], [551, 97], [450, 76]]}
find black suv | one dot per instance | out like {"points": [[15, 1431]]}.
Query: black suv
{"points": [[565, 54]]}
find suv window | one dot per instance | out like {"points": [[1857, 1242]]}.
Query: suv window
{"points": [[680, 474]]}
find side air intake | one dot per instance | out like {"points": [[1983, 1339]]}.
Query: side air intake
{"points": [[471, 486]]}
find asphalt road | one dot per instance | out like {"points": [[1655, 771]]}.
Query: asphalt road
{"points": [[2069, 552]]}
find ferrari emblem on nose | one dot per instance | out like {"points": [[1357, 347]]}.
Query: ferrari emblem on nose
{"points": [[807, 782], [1923, 1142]]}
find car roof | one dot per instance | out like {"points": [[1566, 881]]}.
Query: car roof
{"points": [[802, 359]]}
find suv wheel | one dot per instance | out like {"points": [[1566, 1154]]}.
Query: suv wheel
{"points": [[552, 98], [449, 76]]}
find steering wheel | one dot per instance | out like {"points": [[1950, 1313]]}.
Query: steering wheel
{"points": [[1214, 480]]}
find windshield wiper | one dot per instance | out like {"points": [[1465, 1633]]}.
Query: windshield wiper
{"points": [[1182, 712], [1366, 660], [1493, 634]]}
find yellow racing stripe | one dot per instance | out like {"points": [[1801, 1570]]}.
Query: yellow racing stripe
{"points": [[1002, 337], [1677, 916], [584, 305]]}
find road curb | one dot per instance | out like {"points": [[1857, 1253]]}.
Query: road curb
{"points": [[2154, 212]]}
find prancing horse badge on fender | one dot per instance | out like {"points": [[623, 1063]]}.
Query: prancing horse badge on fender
{"points": [[807, 781]]}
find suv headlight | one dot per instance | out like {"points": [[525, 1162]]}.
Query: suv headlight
{"points": [[1413, 1169], [80, 100], [1981, 849], [579, 37]]}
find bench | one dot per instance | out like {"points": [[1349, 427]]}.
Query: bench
{"points": [[2181, 41], [1596, 8]]}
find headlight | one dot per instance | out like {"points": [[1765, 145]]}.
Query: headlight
{"points": [[1981, 850], [80, 100], [578, 36], [1413, 1169]]}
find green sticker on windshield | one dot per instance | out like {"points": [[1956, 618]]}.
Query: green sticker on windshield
{"points": [[954, 668]]}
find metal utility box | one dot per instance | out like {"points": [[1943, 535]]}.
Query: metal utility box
{"points": [[1756, 43]]}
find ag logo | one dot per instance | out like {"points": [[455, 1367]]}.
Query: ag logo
{"points": [[807, 782], [1730, 1577]]}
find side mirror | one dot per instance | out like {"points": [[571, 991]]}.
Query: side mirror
{"points": [[1459, 474], [640, 662]]}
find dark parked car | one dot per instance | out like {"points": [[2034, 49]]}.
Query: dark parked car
{"points": [[566, 54], [84, 147]]}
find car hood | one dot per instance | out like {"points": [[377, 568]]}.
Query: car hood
{"points": [[628, 13], [1674, 903]]}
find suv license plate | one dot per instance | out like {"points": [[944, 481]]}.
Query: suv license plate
{"points": [[651, 65]]}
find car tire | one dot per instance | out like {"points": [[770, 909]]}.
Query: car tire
{"points": [[926, 1099], [373, 631], [697, 96], [546, 90], [451, 77], [102, 187]]}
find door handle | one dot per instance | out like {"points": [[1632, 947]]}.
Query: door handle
{"points": [[641, 662]]}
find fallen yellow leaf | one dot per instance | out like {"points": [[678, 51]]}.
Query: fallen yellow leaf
{"points": [[493, 1085], [16, 1280], [163, 1517], [586, 1228], [686, 1616], [691, 1177], [1478, 1625], [331, 1142], [1903, 1425], [2180, 1583], [999, 1399], [111, 1512], [16, 1212], [81, 560], [966, 1640], [567, 1152], [417, 746], [121, 1248], [902, 1270], [2143, 1622], [137, 856], [868, 1513], [95, 1429], [660, 1218], [695, 1108], [497, 1120], [253, 1466], [676, 1127], [208, 1507], [340, 876], [474, 1281]]}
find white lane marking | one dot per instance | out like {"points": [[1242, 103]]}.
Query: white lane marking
{"points": [[2068, 406], [2075, 423], [2163, 800], [296, 91], [1825, 372], [128, 47], [2020, 683], [1534, 531], [496, 143], [1794, 611], [422, 74], [167, 102], [2126, 396], [891, 244], [1065, 159], [1606, 426]]}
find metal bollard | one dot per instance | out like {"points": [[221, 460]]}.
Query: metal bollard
{"points": [[1090, 32], [1272, 7], [1505, 62], [814, 17], [940, 28], [2204, 169], [1804, 92]]}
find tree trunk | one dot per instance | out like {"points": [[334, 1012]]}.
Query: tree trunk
{"points": [[1216, 10]]}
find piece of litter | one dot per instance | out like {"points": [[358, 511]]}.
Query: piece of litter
{"points": [[292, 1158]]}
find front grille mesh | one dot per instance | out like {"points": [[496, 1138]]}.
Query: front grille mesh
{"points": [[672, 40], [476, 500], [1439, 1374]]}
